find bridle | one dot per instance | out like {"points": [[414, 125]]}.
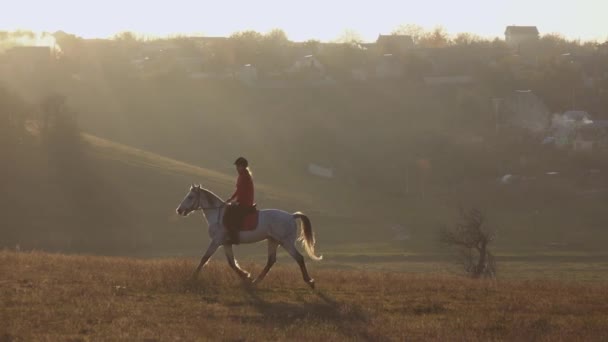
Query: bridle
{"points": [[197, 203]]}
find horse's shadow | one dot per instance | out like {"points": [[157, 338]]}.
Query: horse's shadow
{"points": [[349, 319]]}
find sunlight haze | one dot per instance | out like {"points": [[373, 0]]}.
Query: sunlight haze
{"points": [[268, 170], [313, 19]]}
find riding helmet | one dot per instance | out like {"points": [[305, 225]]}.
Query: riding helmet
{"points": [[241, 162]]}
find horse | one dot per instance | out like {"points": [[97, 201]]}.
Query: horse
{"points": [[278, 227]]}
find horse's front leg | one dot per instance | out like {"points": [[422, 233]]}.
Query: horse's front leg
{"points": [[234, 264], [213, 246]]}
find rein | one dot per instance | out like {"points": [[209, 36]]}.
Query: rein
{"points": [[198, 206]]}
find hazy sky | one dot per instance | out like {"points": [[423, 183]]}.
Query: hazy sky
{"points": [[305, 19]]}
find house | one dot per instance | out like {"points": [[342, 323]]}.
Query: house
{"points": [[516, 36], [564, 126], [247, 74], [526, 111], [308, 66], [591, 136], [308, 62], [394, 44], [388, 66]]}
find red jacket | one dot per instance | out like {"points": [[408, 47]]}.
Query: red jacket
{"points": [[244, 189]]}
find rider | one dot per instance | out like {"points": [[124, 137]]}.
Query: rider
{"points": [[243, 200]]}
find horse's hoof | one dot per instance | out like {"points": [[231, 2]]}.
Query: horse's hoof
{"points": [[311, 283]]}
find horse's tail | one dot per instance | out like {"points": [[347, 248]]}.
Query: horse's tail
{"points": [[307, 236]]}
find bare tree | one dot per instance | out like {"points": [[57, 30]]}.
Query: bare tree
{"points": [[247, 47], [412, 30], [349, 36], [436, 38], [466, 39], [471, 238]]}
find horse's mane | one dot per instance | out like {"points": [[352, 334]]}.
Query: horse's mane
{"points": [[213, 196]]}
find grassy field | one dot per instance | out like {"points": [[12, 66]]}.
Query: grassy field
{"points": [[336, 209], [132, 212], [529, 219], [51, 297]]}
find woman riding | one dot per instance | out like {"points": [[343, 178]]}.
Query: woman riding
{"points": [[241, 203]]}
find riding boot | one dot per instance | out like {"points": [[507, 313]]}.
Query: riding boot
{"points": [[229, 223], [233, 235]]}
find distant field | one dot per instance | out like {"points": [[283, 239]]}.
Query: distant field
{"points": [[57, 297], [137, 193], [574, 270], [336, 211]]}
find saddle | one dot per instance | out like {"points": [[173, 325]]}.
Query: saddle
{"points": [[241, 218]]}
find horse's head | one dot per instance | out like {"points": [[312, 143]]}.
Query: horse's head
{"points": [[191, 202]]}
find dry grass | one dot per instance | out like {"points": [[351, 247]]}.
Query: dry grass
{"points": [[53, 297]]}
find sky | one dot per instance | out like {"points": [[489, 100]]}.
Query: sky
{"points": [[305, 19]]}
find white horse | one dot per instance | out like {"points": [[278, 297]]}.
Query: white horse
{"points": [[277, 226]]}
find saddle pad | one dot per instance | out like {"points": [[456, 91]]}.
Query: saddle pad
{"points": [[250, 222]]}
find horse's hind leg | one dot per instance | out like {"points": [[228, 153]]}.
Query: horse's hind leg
{"points": [[291, 249], [272, 258], [234, 264]]}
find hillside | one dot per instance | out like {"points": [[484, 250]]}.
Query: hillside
{"points": [[375, 137], [530, 217], [400, 174], [58, 297], [112, 198], [120, 200]]}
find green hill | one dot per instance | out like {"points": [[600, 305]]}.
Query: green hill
{"points": [[119, 199], [148, 140]]}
